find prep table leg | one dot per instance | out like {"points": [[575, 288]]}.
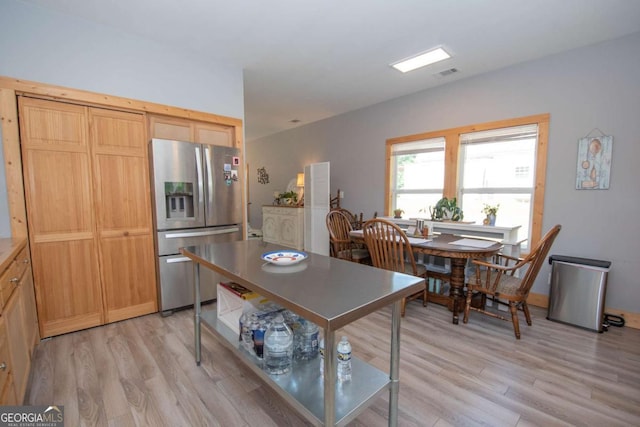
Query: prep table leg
{"points": [[394, 369], [196, 309], [329, 378]]}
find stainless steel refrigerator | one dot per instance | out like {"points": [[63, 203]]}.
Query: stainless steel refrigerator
{"points": [[198, 200]]}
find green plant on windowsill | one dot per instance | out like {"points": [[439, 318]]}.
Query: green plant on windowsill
{"points": [[490, 211], [446, 209]]}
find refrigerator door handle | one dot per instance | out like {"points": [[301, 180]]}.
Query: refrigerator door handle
{"points": [[201, 233], [201, 195], [209, 180], [179, 259]]}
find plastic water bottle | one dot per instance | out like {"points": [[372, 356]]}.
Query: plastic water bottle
{"points": [[254, 323], [306, 341], [294, 322], [245, 327], [246, 334], [278, 347], [258, 339], [241, 320], [344, 360], [321, 353]]}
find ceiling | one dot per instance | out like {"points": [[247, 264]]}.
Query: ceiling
{"points": [[308, 60]]}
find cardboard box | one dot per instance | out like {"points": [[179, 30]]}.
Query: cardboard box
{"points": [[231, 301]]}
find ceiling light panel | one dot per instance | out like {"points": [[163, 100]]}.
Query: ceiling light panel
{"points": [[421, 60]]}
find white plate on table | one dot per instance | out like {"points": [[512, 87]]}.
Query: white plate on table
{"points": [[284, 258], [279, 269]]}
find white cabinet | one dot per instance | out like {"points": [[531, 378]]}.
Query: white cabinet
{"points": [[283, 225]]}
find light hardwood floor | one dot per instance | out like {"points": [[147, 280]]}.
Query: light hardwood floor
{"points": [[142, 372]]}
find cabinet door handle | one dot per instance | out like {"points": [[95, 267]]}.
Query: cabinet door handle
{"points": [[26, 261], [179, 259], [201, 233], [3, 366], [14, 280]]}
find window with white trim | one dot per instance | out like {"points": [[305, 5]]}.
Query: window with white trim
{"points": [[497, 168], [417, 168], [502, 162]]}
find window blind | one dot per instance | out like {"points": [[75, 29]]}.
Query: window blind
{"points": [[514, 133], [417, 147]]}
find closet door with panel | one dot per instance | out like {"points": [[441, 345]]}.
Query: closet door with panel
{"points": [[123, 206], [59, 197], [88, 198]]}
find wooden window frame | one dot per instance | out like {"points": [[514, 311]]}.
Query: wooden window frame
{"points": [[451, 156]]}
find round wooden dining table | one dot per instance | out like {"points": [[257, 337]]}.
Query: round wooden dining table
{"points": [[441, 245]]}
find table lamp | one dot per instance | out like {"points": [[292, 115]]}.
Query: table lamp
{"points": [[300, 185]]}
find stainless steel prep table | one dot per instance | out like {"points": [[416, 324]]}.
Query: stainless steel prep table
{"points": [[331, 293]]}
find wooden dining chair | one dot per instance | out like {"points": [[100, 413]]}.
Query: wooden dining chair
{"points": [[355, 219], [390, 249], [334, 202], [508, 279], [341, 245]]}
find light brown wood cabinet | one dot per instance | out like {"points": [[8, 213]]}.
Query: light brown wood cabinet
{"points": [[89, 257], [28, 298], [7, 388], [87, 191], [193, 131], [18, 322], [124, 224], [18, 347]]}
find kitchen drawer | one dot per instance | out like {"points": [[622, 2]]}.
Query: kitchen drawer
{"points": [[8, 282], [4, 356], [8, 396], [11, 276], [21, 262]]}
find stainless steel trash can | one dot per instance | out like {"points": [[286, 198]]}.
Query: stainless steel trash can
{"points": [[578, 288]]}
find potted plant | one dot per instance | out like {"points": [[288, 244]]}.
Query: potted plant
{"points": [[397, 213], [446, 209], [490, 211], [288, 197]]}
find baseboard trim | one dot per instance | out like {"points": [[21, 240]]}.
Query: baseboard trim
{"points": [[631, 319]]}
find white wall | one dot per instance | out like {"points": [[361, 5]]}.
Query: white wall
{"points": [[594, 87], [283, 158], [43, 46]]}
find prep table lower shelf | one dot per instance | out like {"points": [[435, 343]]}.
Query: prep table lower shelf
{"points": [[303, 387]]}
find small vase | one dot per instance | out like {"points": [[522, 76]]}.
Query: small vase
{"points": [[492, 219]]}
